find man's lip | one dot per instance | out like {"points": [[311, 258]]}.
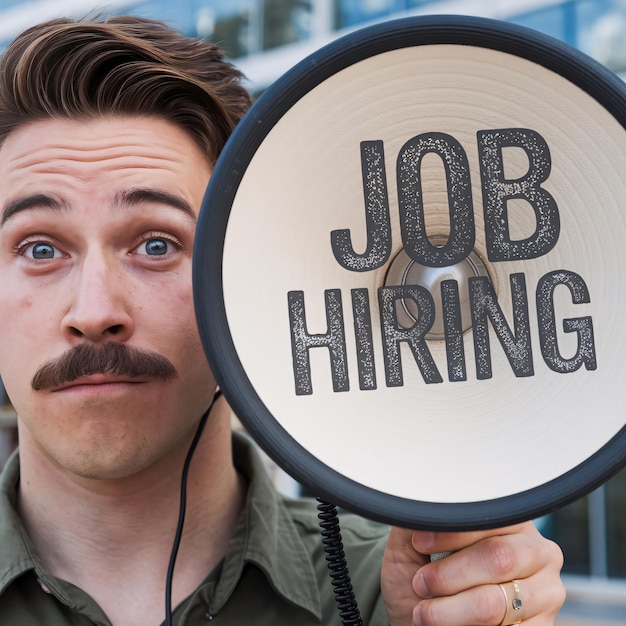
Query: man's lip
{"points": [[98, 380]]}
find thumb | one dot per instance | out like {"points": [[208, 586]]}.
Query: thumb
{"points": [[400, 563]]}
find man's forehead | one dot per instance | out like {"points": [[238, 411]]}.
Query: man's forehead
{"points": [[82, 139], [133, 160]]}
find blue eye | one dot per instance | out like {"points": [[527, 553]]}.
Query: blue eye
{"points": [[41, 251], [155, 244], [156, 247]]}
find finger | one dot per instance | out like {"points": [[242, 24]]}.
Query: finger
{"points": [[430, 542], [541, 597], [400, 562], [400, 547], [495, 559], [481, 605]]}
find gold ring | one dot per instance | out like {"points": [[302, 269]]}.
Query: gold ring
{"points": [[512, 613]]}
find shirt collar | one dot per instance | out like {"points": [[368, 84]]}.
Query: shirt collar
{"points": [[268, 538], [17, 556]]}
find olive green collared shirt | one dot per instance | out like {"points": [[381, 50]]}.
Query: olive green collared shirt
{"points": [[274, 574]]}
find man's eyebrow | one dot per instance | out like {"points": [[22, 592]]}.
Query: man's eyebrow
{"points": [[133, 197], [36, 201]]}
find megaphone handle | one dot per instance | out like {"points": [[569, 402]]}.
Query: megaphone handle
{"points": [[439, 555]]}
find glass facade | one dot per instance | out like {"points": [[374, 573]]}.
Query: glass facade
{"points": [[616, 525], [254, 27], [351, 12], [592, 531], [249, 27], [593, 26], [243, 27]]}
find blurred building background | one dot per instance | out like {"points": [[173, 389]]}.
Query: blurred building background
{"points": [[266, 38]]}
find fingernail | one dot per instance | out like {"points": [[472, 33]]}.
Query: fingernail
{"points": [[423, 541], [419, 585], [417, 616]]}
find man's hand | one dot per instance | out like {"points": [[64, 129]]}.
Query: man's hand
{"points": [[463, 589]]}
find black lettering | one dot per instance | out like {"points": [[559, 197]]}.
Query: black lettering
{"points": [[333, 339], [497, 191], [377, 220], [410, 197], [393, 334], [453, 330], [582, 326], [363, 337], [516, 345]]}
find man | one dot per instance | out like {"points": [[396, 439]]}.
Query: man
{"points": [[108, 135]]}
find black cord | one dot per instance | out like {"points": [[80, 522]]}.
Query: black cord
{"points": [[337, 566], [181, 512], [331, 538]]}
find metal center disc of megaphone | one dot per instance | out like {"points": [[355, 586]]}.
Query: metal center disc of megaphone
{"points": [[404, 271], [434, 211]]}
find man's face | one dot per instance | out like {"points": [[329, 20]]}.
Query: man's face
{"points": [[97, 221]]}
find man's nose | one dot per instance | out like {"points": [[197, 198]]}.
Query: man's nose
{"points": [[99, 302]]}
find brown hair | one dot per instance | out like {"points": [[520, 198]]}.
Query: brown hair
{"points": [[123, 65]]}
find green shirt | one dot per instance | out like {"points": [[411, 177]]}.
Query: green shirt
{"points": [[274, 573]]}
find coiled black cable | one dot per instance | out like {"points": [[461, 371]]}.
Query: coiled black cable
{"points": [[337, 566]]}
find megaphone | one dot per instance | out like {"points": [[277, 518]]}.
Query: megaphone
{"points": [[409, 273]]}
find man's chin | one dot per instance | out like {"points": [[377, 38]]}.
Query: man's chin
{"points": [[105, 465]]}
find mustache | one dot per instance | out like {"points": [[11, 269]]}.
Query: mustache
{"points": [[114, 359]]}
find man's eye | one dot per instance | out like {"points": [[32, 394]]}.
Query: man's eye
{"points": [[41, 250], [157, 246]]}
